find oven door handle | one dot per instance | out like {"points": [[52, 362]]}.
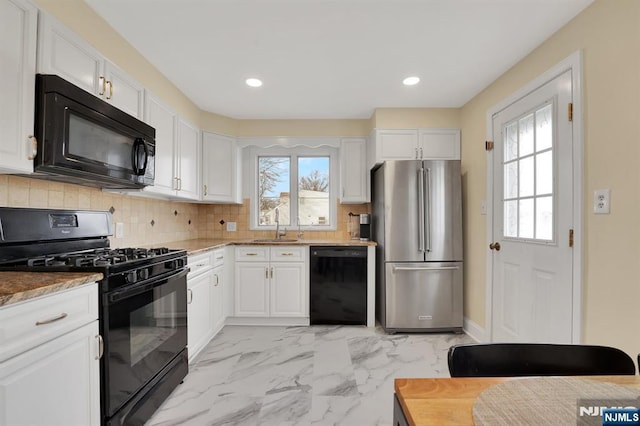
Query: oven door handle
{"points": [[144, 286]]}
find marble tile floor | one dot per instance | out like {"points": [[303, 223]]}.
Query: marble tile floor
{"points": [[318, 375]]}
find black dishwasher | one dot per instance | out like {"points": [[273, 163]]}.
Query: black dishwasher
{"points": [[338, 283]]}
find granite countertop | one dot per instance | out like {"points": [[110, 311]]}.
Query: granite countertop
{"points": [[201, 245], [18, 286]]}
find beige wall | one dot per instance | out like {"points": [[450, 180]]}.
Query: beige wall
{"points": [[303, 128], [398, 118], [608, 33], [79, 17]]}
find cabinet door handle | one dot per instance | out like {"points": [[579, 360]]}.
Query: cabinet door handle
{"points": [[103, 84], [217, 280], [271, 273], [34, 147], [100, 347], [266, 273], [205, 190], [286, 254], [54, 319], [200, 265], [219, 257], [190, 292], [110, 90], [251, 254]]}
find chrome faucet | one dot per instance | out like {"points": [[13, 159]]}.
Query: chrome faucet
{"points": [[277, 224], [300, 233]]}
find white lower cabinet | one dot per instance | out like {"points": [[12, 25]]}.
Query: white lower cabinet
{"points": [[271, 282], [205, 300], [54, 378]]}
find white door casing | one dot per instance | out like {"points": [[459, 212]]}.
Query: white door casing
{"points": [[534, 282]]}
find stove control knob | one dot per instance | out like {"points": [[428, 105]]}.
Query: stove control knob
{"points": [[131, 277], [143, 274]]}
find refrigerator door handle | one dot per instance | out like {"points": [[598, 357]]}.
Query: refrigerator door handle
{"points": [[421, 241], [427, 210], [425, 268]]}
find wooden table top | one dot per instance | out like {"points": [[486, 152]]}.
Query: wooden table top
{"points": [[449, 401]]}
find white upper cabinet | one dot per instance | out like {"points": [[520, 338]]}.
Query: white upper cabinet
{"points": [[122, 91], [439, 144], [221, 178], [161, 117], [187, 156], [354, 174], [18, 28], [415, 144], [63, 52], [177, 170], [399, 144]]}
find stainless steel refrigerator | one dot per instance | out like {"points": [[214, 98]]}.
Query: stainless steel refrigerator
{"points": [[417, 223]]}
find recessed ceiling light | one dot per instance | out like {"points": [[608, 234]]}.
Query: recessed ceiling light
{"points": [[253, 82], [411, 81]]}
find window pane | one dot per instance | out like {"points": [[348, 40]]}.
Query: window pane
{"points": [[526, 177], [511, 218], [313, 190], [544, 173], [526, 218], [273, 190], [526, 135], [511, 180], [511, 141], [544, 128], [544, 218]]}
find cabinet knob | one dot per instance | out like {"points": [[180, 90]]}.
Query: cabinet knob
{"points": [[495, 246]]}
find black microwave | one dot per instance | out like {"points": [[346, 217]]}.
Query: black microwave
{"points": [[85, 140]]}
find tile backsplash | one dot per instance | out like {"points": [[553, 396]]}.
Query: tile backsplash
{"points": [[149, 221]]}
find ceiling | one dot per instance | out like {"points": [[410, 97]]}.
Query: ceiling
{"points": [[333, 58]]}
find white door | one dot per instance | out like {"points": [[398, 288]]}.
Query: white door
{"points": [[533, 217]]}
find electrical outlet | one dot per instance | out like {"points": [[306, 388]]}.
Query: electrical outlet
{"points": [[231, 227], [601, 201], [119, 229]]}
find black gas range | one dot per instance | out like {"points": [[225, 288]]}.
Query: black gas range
{"points": [[143, 302]]}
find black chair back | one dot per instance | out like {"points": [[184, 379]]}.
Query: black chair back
{"points": [[537, 359]]}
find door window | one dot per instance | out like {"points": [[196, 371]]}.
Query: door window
{"points": [[528, 175]]}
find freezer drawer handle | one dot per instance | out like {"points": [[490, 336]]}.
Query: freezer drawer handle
{"points": [[432, 268]]}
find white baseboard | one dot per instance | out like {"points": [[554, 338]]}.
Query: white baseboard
{"points": [[473, 330]]}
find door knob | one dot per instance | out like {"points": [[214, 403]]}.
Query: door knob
{"points": [[494, 246]]}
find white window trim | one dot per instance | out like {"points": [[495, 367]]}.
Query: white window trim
{"points": [[298, 151]]}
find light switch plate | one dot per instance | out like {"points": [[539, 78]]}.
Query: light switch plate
{"points": [[601, 201], [231, 227]]}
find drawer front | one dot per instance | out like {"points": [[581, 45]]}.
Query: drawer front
{"points": [[26, 325], [217, 257], [252, 254], [287, 254], [199, 263]]}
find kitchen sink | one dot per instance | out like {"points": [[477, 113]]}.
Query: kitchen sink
{"points": [[273, 240]]}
